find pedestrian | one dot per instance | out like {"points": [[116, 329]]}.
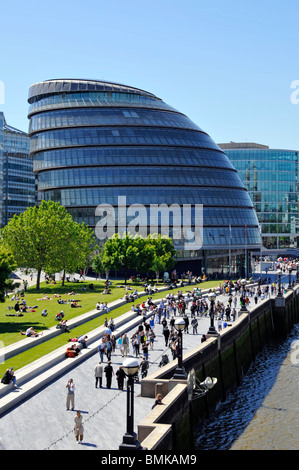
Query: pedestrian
{"points": [[70, 398], [136, 344], [120, 344], [166, 333], [145, 349], [108, 349], [194, 324], [98, 373], [152, 339], [144, 365], [78, 427], [125, 345], [108, 372], [120, 377], [101, 349], [186, 319]]}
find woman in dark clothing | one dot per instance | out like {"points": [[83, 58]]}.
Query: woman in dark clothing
{"points": [[120, 377]]}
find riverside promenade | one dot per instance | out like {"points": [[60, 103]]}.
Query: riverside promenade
{"points": [[41, 422]]}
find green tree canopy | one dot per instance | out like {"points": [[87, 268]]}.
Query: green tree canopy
{"points": [[7, 265], [153, 253], [46, 238], [164, 253]]}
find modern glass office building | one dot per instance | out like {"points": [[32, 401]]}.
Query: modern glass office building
{"points": [[94, 141], [17, 180], [271, 178]]}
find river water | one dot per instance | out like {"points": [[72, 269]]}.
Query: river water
{"points": [[263, 412]]}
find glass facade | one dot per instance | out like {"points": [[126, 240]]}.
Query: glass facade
{"points": [[94, 141], [271, 178], [16, 167]]}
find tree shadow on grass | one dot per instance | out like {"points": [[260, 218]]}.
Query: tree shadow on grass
{"points": [[11, 327]]}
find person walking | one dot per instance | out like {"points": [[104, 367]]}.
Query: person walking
{"points": [[108, 349], [108, 372], [101, 348], [145, 350], [119, 343], [194, 324], [186, 319], [70, 398], [136, 344], [78, 427], [125, 345], [98, 373], [144, 366], [166, 334]]}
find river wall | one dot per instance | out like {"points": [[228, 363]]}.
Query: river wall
{"points": [[227, 357]]}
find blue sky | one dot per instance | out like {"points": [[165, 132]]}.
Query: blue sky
{"points": [[228, 65]]}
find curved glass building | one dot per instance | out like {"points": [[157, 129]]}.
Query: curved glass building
{"points": [[271, 177], [94, 142]]}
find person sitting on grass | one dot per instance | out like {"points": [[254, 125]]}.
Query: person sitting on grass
{"points": [[59, 316], [44, 297], [63, 326], [75, 304], [30, 332], [106, 291]]}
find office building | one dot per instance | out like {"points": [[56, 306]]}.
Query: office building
{"points": [[271, 178], [17, 180]]}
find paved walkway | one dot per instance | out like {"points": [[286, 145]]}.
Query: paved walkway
{"points": [[42, 422]]}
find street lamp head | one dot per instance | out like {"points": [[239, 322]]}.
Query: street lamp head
{"points": [[212, 296], [179, 324], [209, 382], [278, 272], [243, 282], [130, 366]]}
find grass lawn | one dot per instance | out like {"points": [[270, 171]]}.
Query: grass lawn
{"points": [[10, 326]]}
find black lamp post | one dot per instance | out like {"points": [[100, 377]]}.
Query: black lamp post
{"points": [[130, 442], [212, 330], [279, 294], [180, 373], [290, 269]]}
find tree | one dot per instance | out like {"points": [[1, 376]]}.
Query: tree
{"points": [[165, 253], [120, 253], [102, 263], [7, 265], [146, 254], [74, 250], [46, 238]]}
